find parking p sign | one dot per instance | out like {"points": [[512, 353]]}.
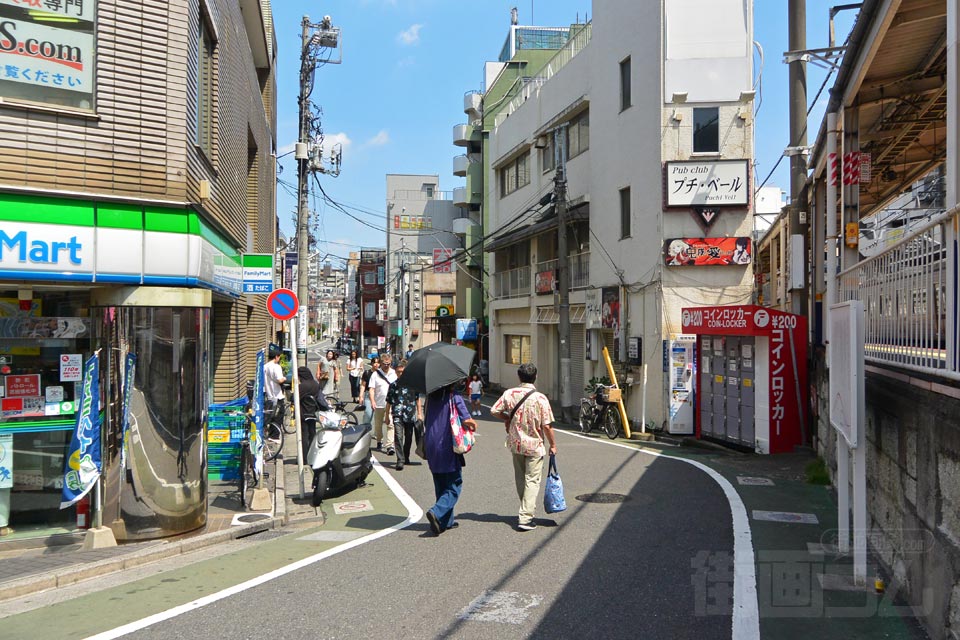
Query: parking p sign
{"points": [[71, 367]]}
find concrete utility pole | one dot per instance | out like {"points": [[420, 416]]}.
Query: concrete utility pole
{"points": [[797, 25], [563, 269], [313, 38], [402, 302]]}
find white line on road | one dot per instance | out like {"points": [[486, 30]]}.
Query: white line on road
{"points": [[414, 514], [746, 611]]}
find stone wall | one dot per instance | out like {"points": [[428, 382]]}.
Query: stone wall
{"points": [[913, 488]]}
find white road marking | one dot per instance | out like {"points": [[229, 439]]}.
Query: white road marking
{"points": [[785, 516], [754, 482], [414, 514], [746, 611], [505, 607]]}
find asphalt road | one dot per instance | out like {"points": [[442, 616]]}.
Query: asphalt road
{"points": [[599, 570]]}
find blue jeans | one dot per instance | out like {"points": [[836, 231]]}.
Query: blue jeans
{"points": [[447, 487], [367, 412]]}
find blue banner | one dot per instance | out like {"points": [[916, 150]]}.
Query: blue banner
{"points": [[129, 370], [82, 468], [257, 445]]}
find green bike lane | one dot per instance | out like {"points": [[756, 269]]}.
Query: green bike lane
{"points": [[202, 583]]}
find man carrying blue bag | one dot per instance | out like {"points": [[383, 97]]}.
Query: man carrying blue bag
{"points": [[528, 419]]}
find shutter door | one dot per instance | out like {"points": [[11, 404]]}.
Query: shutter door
{"points": [[578, 354]]}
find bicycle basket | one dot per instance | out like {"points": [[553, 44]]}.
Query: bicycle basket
{"points": [[609, 395]]}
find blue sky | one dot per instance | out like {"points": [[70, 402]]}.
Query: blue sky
{"points": [[394, 100]]}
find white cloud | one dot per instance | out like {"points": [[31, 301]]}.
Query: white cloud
{"points": [[378, 140], [411, 36], [331, 139]]}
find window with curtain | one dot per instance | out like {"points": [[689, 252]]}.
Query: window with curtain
{"points": [[518, 349]]}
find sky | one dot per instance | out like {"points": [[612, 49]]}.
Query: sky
{"points": [[393, 101]]}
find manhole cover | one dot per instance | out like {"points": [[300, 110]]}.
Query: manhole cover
{"points": [[603, 498], [253, 517]]}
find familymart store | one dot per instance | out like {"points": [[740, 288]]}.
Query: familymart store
{"points": [[134, 283]]}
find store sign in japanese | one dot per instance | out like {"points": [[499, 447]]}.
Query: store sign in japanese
{"points": [[22, 386], [443, 261], [689, 252], [708, 183], [40, 60], [71, 367]]}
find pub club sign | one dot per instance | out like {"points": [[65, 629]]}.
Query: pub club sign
{"points": [[704, 187]]}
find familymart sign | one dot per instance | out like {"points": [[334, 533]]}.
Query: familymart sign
{"points": [[82, 241]]}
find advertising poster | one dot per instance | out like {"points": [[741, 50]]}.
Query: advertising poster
{"points": [[610, 310], [258, 412], [545, 281], [695, 252], [71, 367], [6, 461], [83, 458]]}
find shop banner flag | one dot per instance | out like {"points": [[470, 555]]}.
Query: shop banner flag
{"points": [[129, 370], [82, 468], [258, 413], [6, 462]]}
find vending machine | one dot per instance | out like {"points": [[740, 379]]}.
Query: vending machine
{"points": [[679, 367]]}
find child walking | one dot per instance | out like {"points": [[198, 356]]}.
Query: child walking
{"points": [[476, 392]]}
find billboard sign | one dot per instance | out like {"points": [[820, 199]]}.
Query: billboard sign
{"points": [[690, 252]]}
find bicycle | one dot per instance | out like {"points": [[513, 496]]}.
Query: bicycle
{"points": [[599, 409], [273, 431], [340, 406], [282, 417], [248, 476]]}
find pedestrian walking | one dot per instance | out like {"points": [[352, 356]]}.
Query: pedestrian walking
{"points": [[445, 465], [311, 401], [380, 381], [364, 387], [476, 393], [528, 420], [409, 353], [404, 409], [336, 373], [325, 374], [355, 371]]}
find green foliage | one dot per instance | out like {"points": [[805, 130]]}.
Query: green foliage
{"points": [[816, 472], [594, 381]]}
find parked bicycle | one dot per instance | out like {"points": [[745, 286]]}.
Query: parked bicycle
{"points": [[347, 417], [273, 430], [599, 409]]}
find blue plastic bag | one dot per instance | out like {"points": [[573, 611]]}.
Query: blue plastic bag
{"points": [[553, 500]]}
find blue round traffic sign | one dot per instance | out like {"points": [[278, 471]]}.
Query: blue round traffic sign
{"points": [[283, 304]]}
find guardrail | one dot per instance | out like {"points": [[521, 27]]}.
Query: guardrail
{"points": [[909, 294]]}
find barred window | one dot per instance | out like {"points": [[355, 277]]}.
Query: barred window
{"points": [[515, 175], [578, 135]]}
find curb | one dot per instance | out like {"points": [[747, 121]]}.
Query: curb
{"points": [[162, 550], [279, 492]]}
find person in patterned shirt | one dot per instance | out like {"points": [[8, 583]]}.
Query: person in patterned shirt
{"points": [[528, 419], [404, 408]]}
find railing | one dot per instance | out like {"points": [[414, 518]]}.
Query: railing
{"points": [[578, 265], [420, 194], [514, 283], [910, 299], [574, 45]]}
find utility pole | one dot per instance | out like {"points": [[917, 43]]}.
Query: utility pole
{"points": [[797, 25], [402, 301], [563, 270], [313, 37]]}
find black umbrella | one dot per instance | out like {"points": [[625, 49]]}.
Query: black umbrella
{"points": [[436, 366]]}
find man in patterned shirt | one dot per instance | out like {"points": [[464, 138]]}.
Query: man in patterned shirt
{"points": [[528, 419], [404, 408]]}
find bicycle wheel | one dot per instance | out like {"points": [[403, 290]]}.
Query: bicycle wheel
{"points": [[352, 419], [586, 416], [289, 423], [272, 442], [242, 476], [611, 421]]}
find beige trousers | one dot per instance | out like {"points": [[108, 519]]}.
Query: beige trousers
{"points": [[378, 416], [527, 472]]}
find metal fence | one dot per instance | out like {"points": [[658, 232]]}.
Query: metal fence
{"points": [[513, 283], [909, 294]]}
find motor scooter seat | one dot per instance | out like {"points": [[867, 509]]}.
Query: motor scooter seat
{"points": [[352, 434]]}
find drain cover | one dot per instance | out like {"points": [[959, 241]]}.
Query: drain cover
{"points": [[603, 498], [253, 517]]}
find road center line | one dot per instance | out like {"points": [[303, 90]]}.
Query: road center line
{"points": [[746, 611], [414, 513]]}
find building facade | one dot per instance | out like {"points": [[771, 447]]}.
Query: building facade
{"points": [[655, 136], [136, 169]]}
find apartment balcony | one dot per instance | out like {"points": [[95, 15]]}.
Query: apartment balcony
{"points": [[462, 133], [471, 103], [578, 266], [461, 197], [514, 283], [460, 165]]}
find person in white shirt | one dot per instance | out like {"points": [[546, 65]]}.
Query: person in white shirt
{"points": [[272, 378], [476, 393], [380, 381], [355, 369]]}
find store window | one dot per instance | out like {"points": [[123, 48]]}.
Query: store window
{"points": [[44, 339], [518, 349]]}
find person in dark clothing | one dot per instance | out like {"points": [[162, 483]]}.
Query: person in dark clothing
{"points": [[311, 401], [404, 409], [445, 465]]}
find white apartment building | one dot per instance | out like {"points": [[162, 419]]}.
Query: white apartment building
{"points": [[645, 85]]}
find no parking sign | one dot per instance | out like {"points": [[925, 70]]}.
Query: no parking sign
{"points": [[283, 304]]}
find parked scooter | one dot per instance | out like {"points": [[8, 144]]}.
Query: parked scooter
{"points": [[339, 454]]}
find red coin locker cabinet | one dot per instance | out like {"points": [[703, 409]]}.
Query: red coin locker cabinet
{"points": [[751, 376]]}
